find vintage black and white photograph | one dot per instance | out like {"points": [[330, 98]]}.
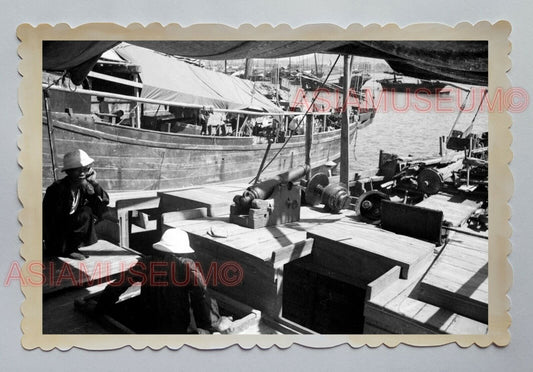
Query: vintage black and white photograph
{"points": [[265, 186]]}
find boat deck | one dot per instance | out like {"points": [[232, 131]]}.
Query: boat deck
{"points": [[456, 208], [459, 278], [328, 273]]}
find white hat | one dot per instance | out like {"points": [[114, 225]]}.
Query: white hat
{"points": [[76, 159], [174, 241]]}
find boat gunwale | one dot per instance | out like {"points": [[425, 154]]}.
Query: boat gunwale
{"points": [[210, 143]]}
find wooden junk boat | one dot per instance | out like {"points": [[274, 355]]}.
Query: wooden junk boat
{"points": [[420, 86], [149, 136], [400, 251]]}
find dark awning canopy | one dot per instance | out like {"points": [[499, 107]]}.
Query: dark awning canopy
{"points": [[455, 61]]}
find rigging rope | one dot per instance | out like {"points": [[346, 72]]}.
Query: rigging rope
{"points": [[54, 82], [299, 123]]}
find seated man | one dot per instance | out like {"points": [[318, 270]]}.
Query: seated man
{"points": [[171, 285], [70, 207]]}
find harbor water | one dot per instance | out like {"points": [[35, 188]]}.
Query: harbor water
{"points": [[411, 124]]}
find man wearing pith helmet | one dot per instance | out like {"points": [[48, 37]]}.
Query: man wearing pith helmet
{"points": [[71, 206], [171, 285]]}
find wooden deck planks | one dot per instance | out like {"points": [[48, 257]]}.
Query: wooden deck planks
{"points": [[459, 278], [456, 208], [368, 252], [105, 260], [217, 199], [366, 244]]}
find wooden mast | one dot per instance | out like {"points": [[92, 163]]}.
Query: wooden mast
{"points": [[345, 138], [308, 141], [50, 125], [248, 68]]}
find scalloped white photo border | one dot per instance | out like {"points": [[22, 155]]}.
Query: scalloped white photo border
{"points": [[30, 180]]}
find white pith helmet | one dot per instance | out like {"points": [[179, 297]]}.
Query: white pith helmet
{"points": [[174, 241], [76, 159]]}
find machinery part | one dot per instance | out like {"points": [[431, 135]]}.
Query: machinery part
{"points": [[429, 181], [479, 220], [314, 189], [335, 198], [369, 205], [264, 189], [319, 190]]}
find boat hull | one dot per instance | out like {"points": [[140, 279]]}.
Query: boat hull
{"points": [[130, 159], [419, 88]]}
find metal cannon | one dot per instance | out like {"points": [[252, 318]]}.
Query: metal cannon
{"points": [[271, 202]]}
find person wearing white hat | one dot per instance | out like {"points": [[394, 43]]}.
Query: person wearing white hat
{"points": [[70, 207], [171, 285]]}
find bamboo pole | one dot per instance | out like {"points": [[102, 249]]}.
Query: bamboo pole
{"points": [[169, 103], [137, 93], [345, 138], [50, 132]]}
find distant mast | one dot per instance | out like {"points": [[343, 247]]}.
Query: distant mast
{"points": [[248, 67]]}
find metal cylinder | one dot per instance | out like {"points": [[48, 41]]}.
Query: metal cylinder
{"points": [[319, 190], [335, 198], [263, 190]]}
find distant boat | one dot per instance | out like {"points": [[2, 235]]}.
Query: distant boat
{"points": [[399, 85]]}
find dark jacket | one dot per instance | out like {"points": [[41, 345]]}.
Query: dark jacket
{"points": [[64, 232], [170, 287]]}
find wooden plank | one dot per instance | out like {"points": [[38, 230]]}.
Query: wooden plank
{"points": [[415, 316], [384, 281], [216, 204], [477, 290], [264, 248], [414, 221], [467, 262], [256, 242], [467, 255], [463, 305], [457, 209], [351, 229], [457, 277], [394, 323], [466, 326], [124, 207], [468, 242], [141, 203], [435, 317], [105, 260], [291, 252], [355, 254], [189, 214], [116, 196]]}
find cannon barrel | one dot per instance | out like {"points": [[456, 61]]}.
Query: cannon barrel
{"points": [[263, 190]]}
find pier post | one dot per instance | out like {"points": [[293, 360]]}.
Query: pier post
{"points": [[345, 138]]}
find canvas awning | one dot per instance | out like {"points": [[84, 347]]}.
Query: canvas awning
{"points": [[455, 61], [166, 78]]}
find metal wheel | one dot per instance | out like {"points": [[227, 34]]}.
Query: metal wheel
{"points": [[369, 205]]}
